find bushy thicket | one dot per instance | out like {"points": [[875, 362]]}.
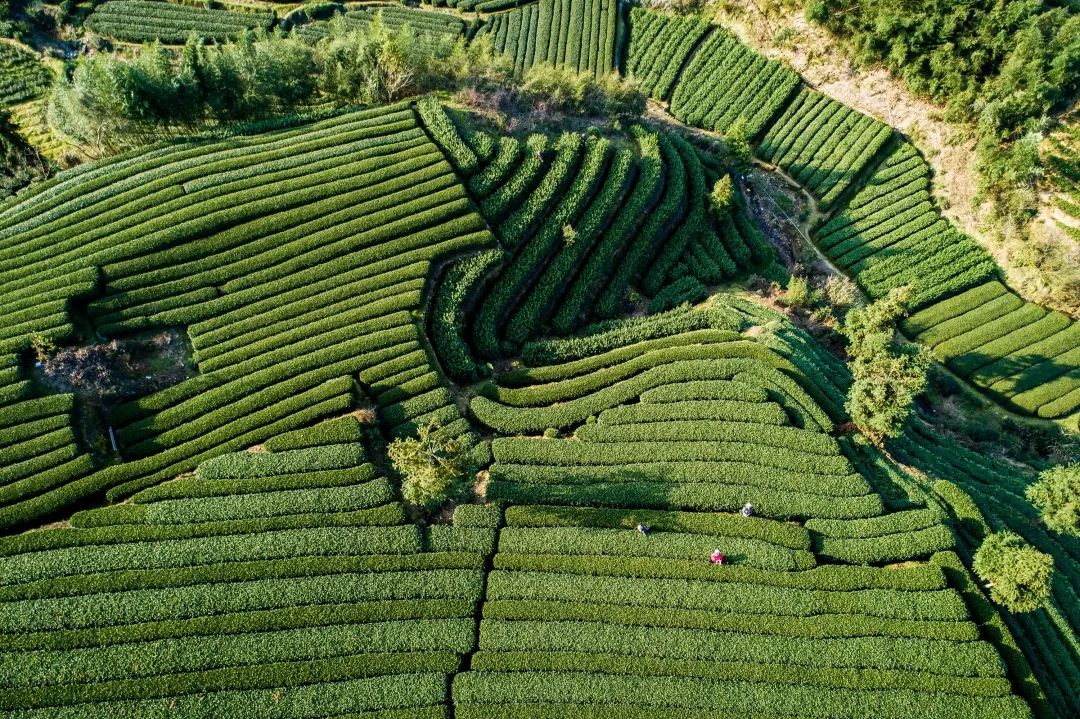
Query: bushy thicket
{"points": [[1057, 495], [1001, 65], [565, 90], [115, 102]]}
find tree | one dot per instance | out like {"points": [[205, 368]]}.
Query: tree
{"points": [[376, 65], [887, 376], [1057, 497], [737, 142], [723, 192], [1017, 574], [431, 464]]}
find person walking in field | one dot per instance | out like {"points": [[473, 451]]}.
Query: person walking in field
{"points": [[717, 557], [747, 510], [643, 530]]}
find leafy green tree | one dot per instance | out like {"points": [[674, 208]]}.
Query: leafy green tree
{"points": [[1018, 575], [887, 376], [737, 142], [432, 464], [1057, 496], [798, 295], [723, 192], [367, 66]]}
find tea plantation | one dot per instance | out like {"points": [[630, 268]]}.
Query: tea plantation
{"points": [[147, 20], [669, 512], [23, 76]]}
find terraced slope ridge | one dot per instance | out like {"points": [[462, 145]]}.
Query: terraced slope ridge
{"points": [[293, 259]]}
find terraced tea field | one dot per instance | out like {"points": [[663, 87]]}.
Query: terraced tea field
{"points": [[394, 17], [303, 254], [579, 34], [234, 541], [171, 23], [22, 75]]}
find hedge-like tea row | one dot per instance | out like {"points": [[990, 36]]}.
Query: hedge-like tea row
{"points": [[826, 626], [515, 695], [659, 45], [578, 34], [615, 334], [727, 85], [701, 391], [826, 678], [785, 535], [315, 459], [627, 489], [569, 541], [144, 21], [22, 76], [934, 656], [784, 439], [502, 164], [338, 431], [446, 135], [509, 189], [396, 17], [591, 453], [823, 144], [337, 685], [686, 472], [450, 311]]}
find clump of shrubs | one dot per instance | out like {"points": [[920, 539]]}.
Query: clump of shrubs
{"points": [[1017, 575], [549, 88]]}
